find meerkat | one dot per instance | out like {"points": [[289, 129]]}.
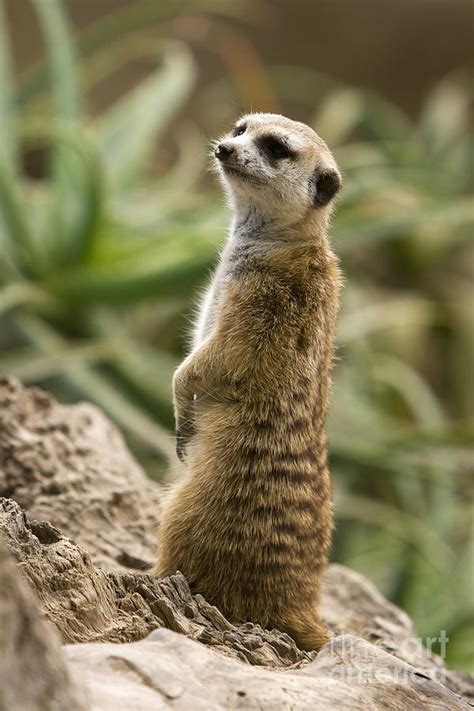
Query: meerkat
{"points": [[250, 523]]}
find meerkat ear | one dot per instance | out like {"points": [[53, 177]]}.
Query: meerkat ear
{"points": [[324, 184]]}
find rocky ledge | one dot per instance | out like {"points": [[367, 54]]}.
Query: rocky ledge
{"points": [[84, 626]]}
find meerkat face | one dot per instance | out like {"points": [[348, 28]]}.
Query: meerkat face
{"points": [[277, 165]]}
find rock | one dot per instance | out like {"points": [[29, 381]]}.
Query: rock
{"points": [[88, 535], [86, 603], [69, 465], [168, 671], [33, 673]]}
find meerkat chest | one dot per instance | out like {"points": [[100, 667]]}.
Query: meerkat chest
{"points": [[206, 316], [234, 252]]}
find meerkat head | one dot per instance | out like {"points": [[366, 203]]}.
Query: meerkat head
{"points": [[277, 166]]}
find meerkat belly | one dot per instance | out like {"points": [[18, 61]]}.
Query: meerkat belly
{"points": [[262, 495], [206, 317]]}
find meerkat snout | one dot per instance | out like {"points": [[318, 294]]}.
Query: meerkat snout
{"points": [[223, 151], [275, 165]]}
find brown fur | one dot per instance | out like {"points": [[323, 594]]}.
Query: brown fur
{"points": [[250, 523]]}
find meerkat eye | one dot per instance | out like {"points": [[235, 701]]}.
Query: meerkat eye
{"points": [[275, 148], [239, 130]]}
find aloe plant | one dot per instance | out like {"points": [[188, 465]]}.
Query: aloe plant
{"points": [[101, 258], [68, 241]]}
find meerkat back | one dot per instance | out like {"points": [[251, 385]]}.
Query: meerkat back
{"points": [[250, 522]]}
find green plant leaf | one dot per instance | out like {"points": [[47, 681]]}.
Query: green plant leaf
{"points": [[23, 293], [74, 209], [128, 131], [62, 59], [83, 198], [339, 115], [14, 227], [64, 82], [384, 314], [32, 366], [120, 23], [145, 375], [445, 115], [169, 265], [413, 388], [401, 524], [126, 286], [8, 142], [357, 230], [98, 389]]}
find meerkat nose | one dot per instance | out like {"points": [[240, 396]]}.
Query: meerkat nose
{"points": [[223, 151]]}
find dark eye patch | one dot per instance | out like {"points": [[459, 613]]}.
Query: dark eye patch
{"points": [[275, 148], [239, 130]]}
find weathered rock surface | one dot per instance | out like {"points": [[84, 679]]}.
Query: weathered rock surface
{"points": [[69, 465], [86, 603], [33, 672], [170, 671], [68, 468]]}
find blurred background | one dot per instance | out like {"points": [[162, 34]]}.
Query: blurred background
{"points": [[110, 223]]}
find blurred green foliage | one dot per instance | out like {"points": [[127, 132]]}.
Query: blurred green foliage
{"points": [[100, 262]]}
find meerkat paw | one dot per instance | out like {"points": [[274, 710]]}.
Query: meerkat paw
{"points": [[183, 435]]}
